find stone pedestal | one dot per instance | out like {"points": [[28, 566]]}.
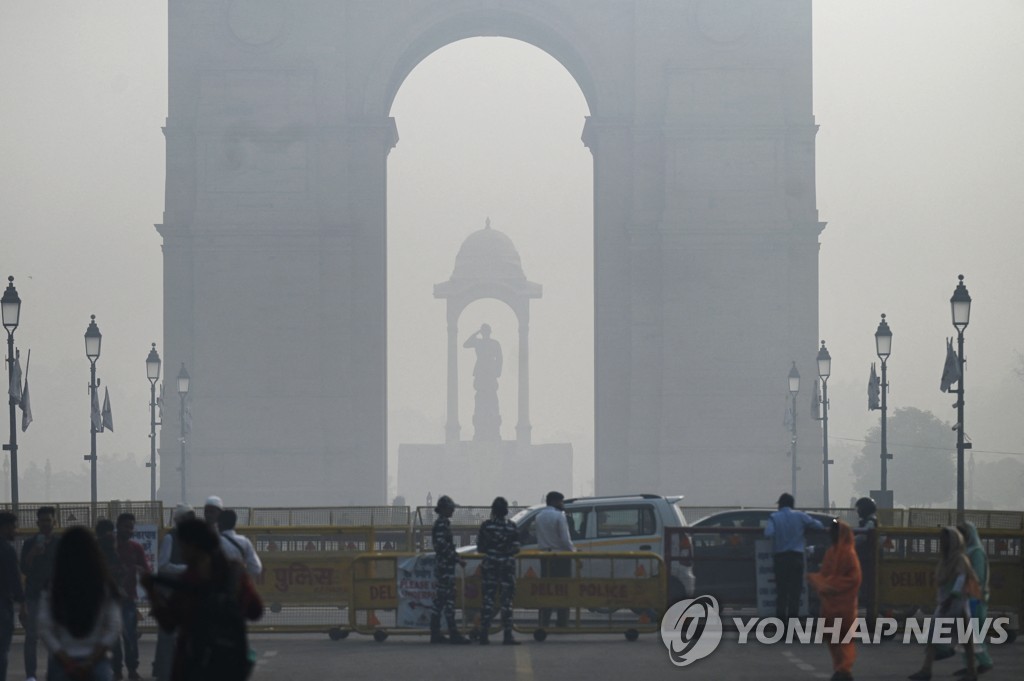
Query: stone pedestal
{"points": [[473, 473]]}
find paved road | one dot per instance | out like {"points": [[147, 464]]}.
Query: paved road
{"points": [[564, 658]]}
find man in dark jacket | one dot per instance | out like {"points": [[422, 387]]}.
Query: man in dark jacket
{"points": [[37, 554], [11, 592]]}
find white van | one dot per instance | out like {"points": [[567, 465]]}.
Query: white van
{"points": [[620, 523]]}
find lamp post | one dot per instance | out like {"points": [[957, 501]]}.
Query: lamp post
{"points": [[93, 340], [10, 308], [183, 383], [960, 306], [153, 374], [794, 388], [824, 370], [883, 348]]}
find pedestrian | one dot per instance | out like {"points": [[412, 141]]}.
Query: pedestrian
{"points": [[80, 615], [208, 606], [12, 595], [975, 551], [211, 511], [787, 528], [553, 534], [445, 559], [236, 546], [956, 583], [864, 541], [836, 584], [170, 565], [133, 565], [37, 556], [498, 540]]}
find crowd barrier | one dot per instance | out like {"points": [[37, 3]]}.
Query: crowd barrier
{"points": [[391, 593], [905, 573]]}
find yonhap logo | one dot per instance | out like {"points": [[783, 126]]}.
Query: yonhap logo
{"points": [[691, 630]]}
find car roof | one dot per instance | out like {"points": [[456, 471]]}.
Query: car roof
{"points": [[709, 520]]}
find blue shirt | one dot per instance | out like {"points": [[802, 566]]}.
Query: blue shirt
{"points": [[787, 528]]}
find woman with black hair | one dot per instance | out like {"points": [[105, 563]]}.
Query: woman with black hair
{"points": [[208, 605], [80, 615]]}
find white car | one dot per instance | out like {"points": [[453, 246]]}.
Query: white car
{"points": [[622, 523]]}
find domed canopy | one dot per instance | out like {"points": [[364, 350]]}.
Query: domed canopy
{"points": [[488, 254]]}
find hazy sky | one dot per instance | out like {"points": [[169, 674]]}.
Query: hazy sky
{"points": [[919, 166]]}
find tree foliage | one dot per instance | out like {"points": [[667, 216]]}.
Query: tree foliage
{"points": [[922, 471]]}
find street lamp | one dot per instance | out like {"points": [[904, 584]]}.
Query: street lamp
{"points": [[93, 340], [883, 348], [153, 374], [183, 383], [10, 310], [824, 371], [960, 306], [794, 388]]}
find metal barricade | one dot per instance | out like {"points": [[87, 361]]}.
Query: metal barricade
{"points": [[306, 578], [620, 592], [905, 575]]}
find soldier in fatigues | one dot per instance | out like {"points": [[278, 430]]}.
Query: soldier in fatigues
{"points": [[444, 573], [498, 539]]}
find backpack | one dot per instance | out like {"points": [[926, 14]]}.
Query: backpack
{"points": [[218, 648]]}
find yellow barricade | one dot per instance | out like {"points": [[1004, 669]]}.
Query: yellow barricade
{"points": [[907, 557], [616, 592], [306, 581]]}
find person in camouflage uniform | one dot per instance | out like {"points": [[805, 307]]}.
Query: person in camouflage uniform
{"points": [[498, 539], [444, 572]]}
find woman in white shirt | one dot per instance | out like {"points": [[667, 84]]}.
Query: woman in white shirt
{"points": [[79, 616]]}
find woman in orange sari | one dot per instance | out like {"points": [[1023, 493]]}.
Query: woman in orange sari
{"points": [[837, 583]]}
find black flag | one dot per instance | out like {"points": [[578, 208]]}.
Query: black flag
{"points": [[874, 390], [951, 370]]}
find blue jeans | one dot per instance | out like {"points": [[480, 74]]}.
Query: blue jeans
{"points": [[127, 649], [6, 632], [100, 672]]}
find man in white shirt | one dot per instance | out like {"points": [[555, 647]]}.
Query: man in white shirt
{"points": [[552, 528], [235, 546]]}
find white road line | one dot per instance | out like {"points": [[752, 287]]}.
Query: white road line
{"points": [[269, 653], [524, 667]]}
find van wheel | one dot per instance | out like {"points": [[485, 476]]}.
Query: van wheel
{"points": [[632, 635], [676, 591]]}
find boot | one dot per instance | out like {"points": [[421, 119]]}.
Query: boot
{"points": [[435, 630], [508, 640], [453, 634]]}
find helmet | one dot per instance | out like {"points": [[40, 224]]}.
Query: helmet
{"points": [[444, 504], [865, 506]]}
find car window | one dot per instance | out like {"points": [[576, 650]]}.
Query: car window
{"points": [[528, 532], [627, 521], [578, 518]]}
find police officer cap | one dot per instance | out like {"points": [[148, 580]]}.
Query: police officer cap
{"points": [[865, 506], [444, 503]]}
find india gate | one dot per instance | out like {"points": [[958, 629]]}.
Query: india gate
{"points": [[274, 237]]}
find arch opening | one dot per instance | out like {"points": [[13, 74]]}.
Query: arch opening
{"points": [[491, 128]]}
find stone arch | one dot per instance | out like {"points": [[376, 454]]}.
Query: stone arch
{"points": [[544, 28]]}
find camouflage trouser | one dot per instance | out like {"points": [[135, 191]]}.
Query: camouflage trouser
{"points": [[497, 574], [444, 597]]}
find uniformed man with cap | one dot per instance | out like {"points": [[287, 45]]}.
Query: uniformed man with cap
{"points": [[445, 558]]}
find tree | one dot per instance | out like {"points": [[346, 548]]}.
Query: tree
{"points": [[922, 471]]}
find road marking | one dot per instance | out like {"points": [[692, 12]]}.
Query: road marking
{"points": [[269, 653], [524, 668]]}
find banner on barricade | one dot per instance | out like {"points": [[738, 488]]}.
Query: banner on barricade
{"points": [[303, 578], [416, 586], [766, 580], [147, 535]]}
